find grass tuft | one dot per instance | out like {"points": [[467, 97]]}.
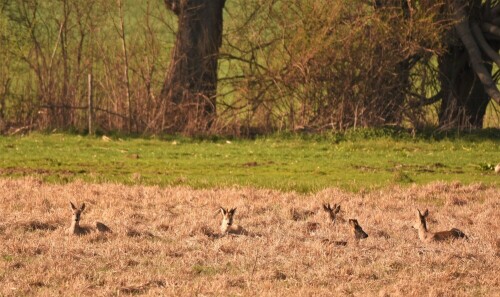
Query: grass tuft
{"points": [[402, 177]]}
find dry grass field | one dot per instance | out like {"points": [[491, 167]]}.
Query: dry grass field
{"points": [[165, 243]]}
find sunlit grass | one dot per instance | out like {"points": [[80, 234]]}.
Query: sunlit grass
{"points": [[353, 161], [166, 242]]}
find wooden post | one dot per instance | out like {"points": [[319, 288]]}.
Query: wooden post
{"points": [[90, 111]]}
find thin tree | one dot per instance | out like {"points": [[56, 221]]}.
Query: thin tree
{"points": [[126, 77]]}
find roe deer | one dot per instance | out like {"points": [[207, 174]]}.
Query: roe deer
{"points": [[427, 236], [332, 211], [300, 214], [357, 231], [76, 229], [227, 226]]}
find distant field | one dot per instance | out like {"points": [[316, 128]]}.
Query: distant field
{"points": [[165, 243], [356, 161]]}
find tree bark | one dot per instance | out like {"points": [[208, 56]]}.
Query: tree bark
{"points": [[476, 61], [464, 98], [191, 83], [465, 75]]}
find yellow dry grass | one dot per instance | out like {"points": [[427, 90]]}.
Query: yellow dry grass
{"points": [[162, 242]]}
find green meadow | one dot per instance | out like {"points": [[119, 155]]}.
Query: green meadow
{"points": [[354, 161]]}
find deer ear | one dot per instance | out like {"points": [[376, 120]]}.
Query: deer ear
{"points": [[222, 210], [233, 210], [351, 222], [337, 209], [82, 207], [426, 212], [72, 205]]}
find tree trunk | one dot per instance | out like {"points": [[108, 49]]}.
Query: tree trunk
{"points": [[465, 76], [464, 97], [191, 82]]}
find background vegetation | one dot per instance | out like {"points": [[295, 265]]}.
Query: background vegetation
{"points": [[283, 66]]}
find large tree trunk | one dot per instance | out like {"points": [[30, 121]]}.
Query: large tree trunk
{"points": [[191, 83], [464, 98], [465, 70]]}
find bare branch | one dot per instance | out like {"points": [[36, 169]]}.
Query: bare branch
{"points": [[424, 101], [495, 10], [487, 49], [495, 21], [491, 37], [174, 6], [126, 76], [57, 43], [234, 57], [487, 11], [490, 28]]}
